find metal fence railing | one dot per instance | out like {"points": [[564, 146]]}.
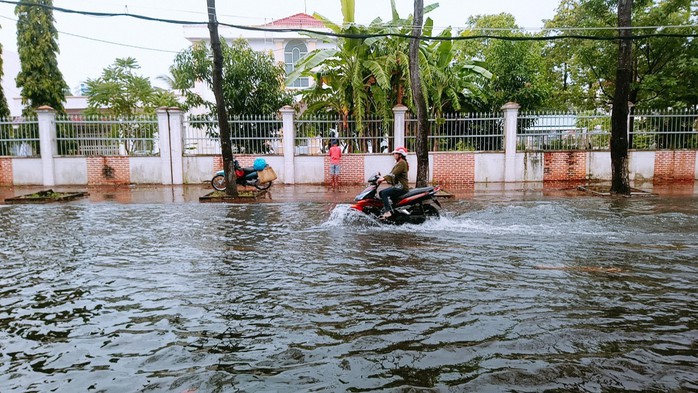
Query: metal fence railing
{"points": [[19, 137], [253, 134], [563, 131], [663, 130], [647, 130], [314, 135], [460, 132], [78, 135]]}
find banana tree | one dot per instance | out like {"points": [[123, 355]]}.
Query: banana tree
{"points": [[344, 73]]}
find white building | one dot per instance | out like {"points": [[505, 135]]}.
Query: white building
{"points": [[286, 46], [274, 37]]}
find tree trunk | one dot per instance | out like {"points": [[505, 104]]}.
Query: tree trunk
{"points": [[227, 151], [620, 182], [421, 147]]}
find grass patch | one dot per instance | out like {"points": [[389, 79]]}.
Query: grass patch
{"points": [[46, 196]]}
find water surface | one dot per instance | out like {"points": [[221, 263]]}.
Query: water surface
{"points": [[501, 294]]}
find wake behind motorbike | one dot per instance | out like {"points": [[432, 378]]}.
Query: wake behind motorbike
{"points": [[413, 207], [248, 176]]}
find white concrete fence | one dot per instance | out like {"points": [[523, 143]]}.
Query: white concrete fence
{"points": [[172, 165]]}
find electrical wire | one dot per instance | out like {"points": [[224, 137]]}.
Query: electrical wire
{"points": [[612, 37], [104, 41]]}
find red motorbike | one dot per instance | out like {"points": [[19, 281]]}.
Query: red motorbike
{"points": [[413, 207]]}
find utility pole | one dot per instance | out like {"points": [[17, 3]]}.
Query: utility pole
{"points": [[620, 181], [422, 145], [227, 151]]}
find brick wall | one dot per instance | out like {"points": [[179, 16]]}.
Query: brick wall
{"points": [[108, 170], [564, 166], [243, 160], [351, 170], [674, 166], [454, 168], [5, 171]]}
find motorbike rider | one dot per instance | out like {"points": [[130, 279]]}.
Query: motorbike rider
{"points": [[397, 178]]}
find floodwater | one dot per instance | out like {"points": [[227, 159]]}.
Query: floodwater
{"points": [[501, 294]]}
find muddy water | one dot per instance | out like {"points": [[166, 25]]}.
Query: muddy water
{"points": [[519, 294]]}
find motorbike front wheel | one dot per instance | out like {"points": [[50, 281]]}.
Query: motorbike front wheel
{"points": [[218, 182]]}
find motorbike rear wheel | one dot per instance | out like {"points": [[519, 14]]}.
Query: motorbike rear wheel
{"points": [[218, 182], [430, 211], [262, 186]]}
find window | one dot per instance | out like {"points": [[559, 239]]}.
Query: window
{"points": [[294, 51]]}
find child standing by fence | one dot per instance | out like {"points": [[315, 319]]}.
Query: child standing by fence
{"points": [[335, 160]]}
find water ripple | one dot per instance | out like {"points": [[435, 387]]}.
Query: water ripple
{"points": [[583, 294]]}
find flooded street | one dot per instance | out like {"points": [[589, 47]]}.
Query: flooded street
{"points": [[500, 294]]}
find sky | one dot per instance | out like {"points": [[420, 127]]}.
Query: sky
{"points": [[88, 44]]}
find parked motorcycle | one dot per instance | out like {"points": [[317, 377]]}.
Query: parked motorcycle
{"points": [[413, 207], [248, 176]]}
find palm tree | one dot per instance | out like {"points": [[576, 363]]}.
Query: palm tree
{"points": [[345, 73], [370, 75]]}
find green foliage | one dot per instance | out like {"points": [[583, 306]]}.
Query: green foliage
{"points": [[120, 92], [344, 79], [368, 77], [463, 145], [517, 67], [665, 69], [450, 82], [660, 130], [599, 140], [643, 141], [253, 84], [40, 79]]}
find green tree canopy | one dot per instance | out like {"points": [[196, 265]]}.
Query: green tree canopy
{"points": [[39, 78], [517, 67], [252, 82], [120, 92], [664, 69], [369, 76]]}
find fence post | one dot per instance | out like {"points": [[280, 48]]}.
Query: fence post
{"points": [[170, 138], [46, 117], [289, 142], [511, 111], [398, 126]]}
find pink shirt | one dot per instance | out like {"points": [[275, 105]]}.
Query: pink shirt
{"points": [[335, 154]]}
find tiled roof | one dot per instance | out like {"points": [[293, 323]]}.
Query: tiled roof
{"points": [[300, 20]]}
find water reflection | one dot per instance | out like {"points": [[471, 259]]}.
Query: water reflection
{"points": [[582, 294]]}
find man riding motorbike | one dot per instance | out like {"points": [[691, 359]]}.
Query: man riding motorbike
{"points": [[397, 178]]}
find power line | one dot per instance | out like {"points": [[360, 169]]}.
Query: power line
{"points": [[184, 11], [120, 44], [392, 34], [104, 41]]}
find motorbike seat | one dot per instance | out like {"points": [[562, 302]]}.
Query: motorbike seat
{"points": [[247, 170], [415, 191]]}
